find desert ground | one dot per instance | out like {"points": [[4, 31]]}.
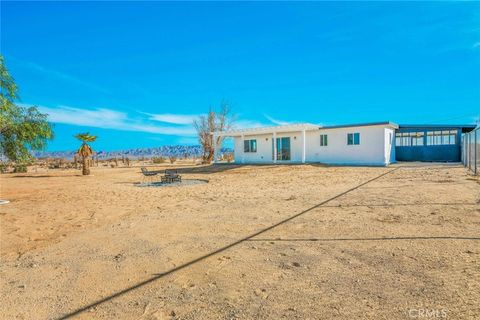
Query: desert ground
{"points": [[255, 242]]}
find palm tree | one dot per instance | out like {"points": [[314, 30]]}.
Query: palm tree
{"points": [[85, 150]]}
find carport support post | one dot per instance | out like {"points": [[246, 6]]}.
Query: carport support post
{"points": [[274, 147], [303, 146]]}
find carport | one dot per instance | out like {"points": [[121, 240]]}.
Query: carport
{"points": [[430, 142]]}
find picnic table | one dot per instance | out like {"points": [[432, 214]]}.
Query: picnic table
{"points": [[171, 176]]}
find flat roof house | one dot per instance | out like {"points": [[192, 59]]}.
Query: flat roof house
{"points": [[356, 144]]}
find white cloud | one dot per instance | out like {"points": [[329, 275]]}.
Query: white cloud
{"points": [[110, 119], [175, 124], [275, 121], [173, 118]]}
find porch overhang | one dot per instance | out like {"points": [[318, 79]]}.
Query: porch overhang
{"points": [[299, 127]]}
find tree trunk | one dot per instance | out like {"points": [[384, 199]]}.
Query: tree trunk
{"points": [[211, 154], [86, 168]]}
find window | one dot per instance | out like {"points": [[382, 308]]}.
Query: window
{"points": [[444, 137], [449, 137], [437, 138], [417, 138], [250, 145], [402, 139], [430, 138], [398, 139], [409, 139], [323, 140], [353, 138]]}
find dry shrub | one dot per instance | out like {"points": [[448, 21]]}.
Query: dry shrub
{"points": [[20, 168], [172, 159], [158, 160], [228, 157], [4, 167]]}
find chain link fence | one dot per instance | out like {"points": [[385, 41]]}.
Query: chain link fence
{"points": [[471, 150]]}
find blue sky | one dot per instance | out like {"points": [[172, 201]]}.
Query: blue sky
{"points": [[137, 73]]}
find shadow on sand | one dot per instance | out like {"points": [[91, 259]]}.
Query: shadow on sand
{"points": [[47, 176], [365, 239]]}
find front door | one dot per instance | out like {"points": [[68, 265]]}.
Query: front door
{"points": [[283, 148]]}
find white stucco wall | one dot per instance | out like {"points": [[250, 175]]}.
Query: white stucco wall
{"points": [[263, 154], [370, 151], [264, 148], [375, 147]]}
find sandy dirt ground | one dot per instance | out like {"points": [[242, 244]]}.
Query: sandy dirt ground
{"points": [[401, 242]]}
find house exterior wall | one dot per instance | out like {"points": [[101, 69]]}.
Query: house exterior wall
{"points": [[370, 151], [375, 148], [264, 150]]}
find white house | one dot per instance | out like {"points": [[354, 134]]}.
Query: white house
{"points": [[356, 144]]}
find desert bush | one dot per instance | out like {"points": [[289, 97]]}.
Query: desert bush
{"points": [[61, 163], [228, 157], [158, 160], [172, 159], [4, 167], [53, 165], [20, 168]]}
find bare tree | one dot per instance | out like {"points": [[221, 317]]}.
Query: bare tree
{"points": [[220, 120]]}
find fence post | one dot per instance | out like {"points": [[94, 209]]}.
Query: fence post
{"points": [[466, 150], [475, 150], [469, 151], [471, 155]]}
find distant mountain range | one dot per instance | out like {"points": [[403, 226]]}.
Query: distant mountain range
{"points": [[178, 151]]}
